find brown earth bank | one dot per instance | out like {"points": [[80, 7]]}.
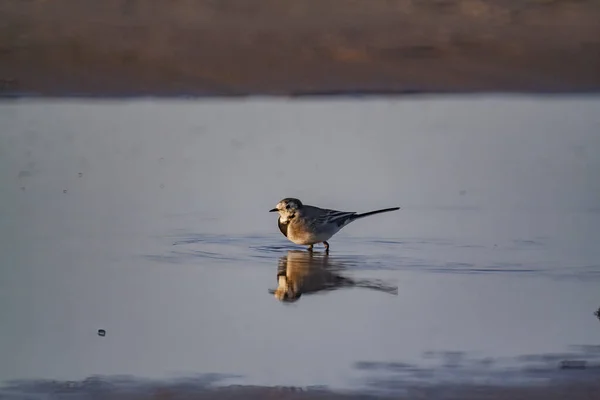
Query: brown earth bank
{"points": [[274, 47]]}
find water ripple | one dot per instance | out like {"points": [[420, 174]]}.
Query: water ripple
{"points": [[408, 254]]}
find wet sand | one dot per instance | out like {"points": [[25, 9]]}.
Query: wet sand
{"points": [[226, 47], [132, 390]]}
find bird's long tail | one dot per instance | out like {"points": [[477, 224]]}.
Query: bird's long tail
{"points": [[356, 216]]}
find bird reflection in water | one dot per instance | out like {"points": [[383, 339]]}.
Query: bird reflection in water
{"points": [[300, 272]]}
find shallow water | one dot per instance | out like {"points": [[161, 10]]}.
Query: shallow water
{"points": [[148, 219]]}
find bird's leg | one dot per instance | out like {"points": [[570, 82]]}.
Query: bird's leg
{"points": [[326, 247], [310, 248]]}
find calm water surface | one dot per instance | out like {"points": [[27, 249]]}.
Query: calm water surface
{"points": [[149, 219]]}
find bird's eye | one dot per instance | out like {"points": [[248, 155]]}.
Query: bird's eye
{"points": [[287, 206]]}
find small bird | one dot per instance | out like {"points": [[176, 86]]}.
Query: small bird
{"points": [[308, 225]]}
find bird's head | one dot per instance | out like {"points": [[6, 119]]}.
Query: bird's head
{"points": [[287, 208]]}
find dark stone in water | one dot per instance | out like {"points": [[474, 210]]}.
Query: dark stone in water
{"points": [[101, 332]]}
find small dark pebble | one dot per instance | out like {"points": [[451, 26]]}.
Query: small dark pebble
{"points": [[65, 191], [80, 174], [162, 186], [573, 364], [101, 332], [22, 187], [597, 313]]}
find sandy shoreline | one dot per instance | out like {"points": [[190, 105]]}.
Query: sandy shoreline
{"points": [[227, 47], [128, 390]]}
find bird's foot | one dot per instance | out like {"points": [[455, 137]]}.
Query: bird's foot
{"points": [[326, 247], [310, 248]]}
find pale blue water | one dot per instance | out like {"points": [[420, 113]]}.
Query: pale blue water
{"points": [[149, 219]]}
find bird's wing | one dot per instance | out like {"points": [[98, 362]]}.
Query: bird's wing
{"points": [[338, 218]]}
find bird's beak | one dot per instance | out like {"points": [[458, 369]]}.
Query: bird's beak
{"points": [[273, 210]]}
